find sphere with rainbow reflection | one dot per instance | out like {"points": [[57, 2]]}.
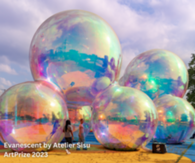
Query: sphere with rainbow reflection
{"points": [[32, 113], [176, 119], [123, 118], [157, 72], [78, 52]]}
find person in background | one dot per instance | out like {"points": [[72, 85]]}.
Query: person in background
{"points": [[81, 134], [68, 134]]}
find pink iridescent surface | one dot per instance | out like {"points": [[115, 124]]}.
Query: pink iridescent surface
{"points": [[123, 118], [32, 113], [157, 72], [79, 52], [176, 119]]}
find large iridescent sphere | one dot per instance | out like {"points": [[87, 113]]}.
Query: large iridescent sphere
{"points": [[32, 113], [74, 49], [123, 118], [157, 72], [176, 119]]}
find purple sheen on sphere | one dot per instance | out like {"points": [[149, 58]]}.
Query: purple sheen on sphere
{"points": [[176, 119], [123, 118], [32, 113], [157, 72]]}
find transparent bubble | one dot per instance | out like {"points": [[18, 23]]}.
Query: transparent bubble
{"points": [[157, 72], [32, 113], [123, 118], [75, 49], [176, 119]]}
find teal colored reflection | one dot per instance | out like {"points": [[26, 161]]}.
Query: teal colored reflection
{"points": [[176, 119], [157, 72], [75, 50]]}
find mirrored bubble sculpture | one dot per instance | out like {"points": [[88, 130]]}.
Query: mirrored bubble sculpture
{"points": [[157, 72], [75, 49], [176, 119], [123, 118], [32, 113]]}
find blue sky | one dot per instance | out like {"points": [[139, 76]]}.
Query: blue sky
{"points": [[141, 25]]}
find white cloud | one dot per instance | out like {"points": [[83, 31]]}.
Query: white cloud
{"points": [[4, 83], [2, 87], [7, 69], [170, 26], [4, 59]]}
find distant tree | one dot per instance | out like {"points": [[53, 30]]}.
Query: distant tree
{"points": [[191, 86]]}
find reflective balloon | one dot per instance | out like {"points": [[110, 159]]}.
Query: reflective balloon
{"points": [[32, 113], [157, 72], [75, 49], [176, 119], [123, 118]]}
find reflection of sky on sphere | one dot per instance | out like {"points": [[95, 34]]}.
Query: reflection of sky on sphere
{"points": [[157, 72], [123, 118], [176, 119], [75, 46], [32, 112]]}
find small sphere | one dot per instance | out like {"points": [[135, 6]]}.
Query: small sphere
{"points": [[123, 118], [157, 72], [176, 119], [32, 113]]}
